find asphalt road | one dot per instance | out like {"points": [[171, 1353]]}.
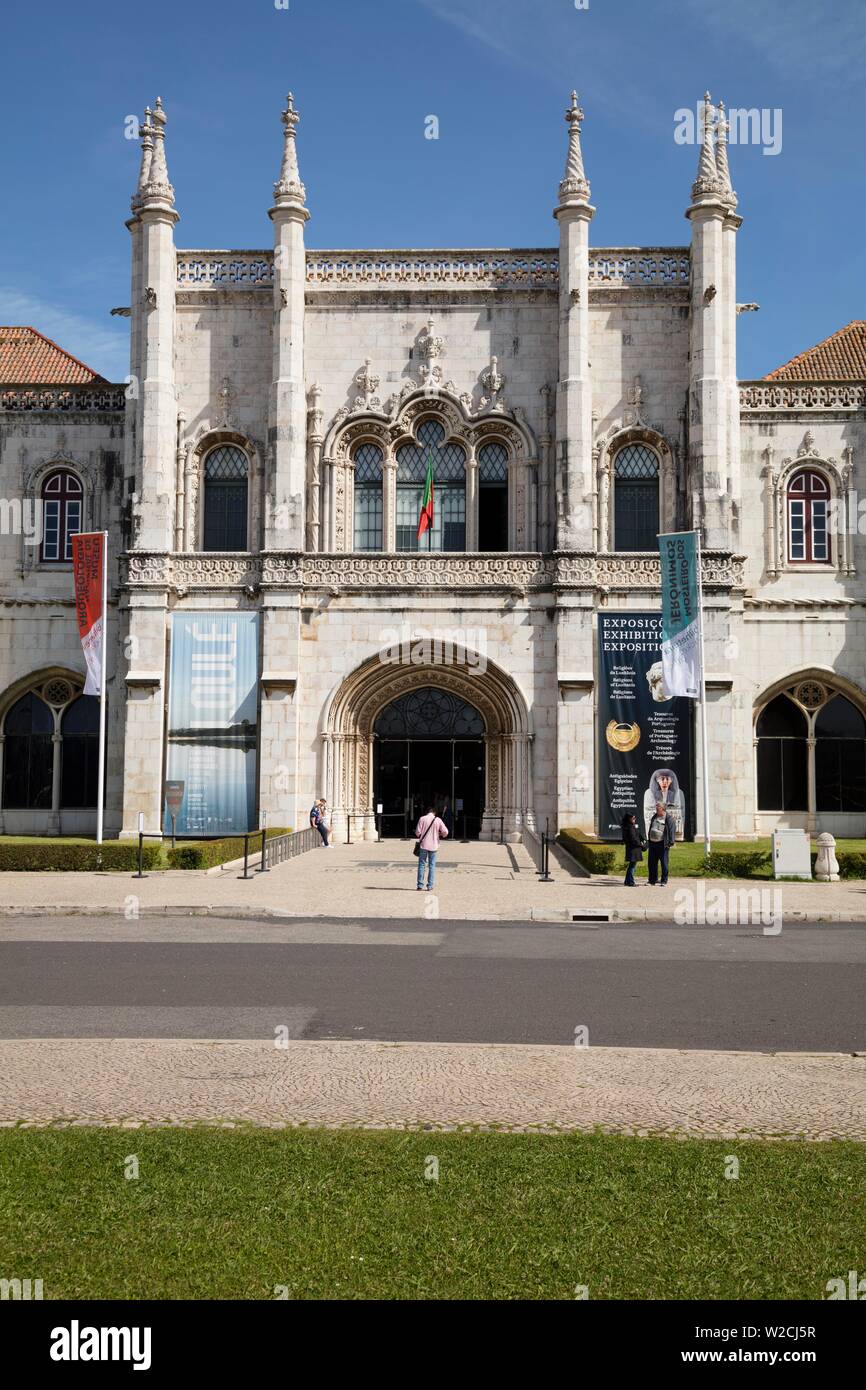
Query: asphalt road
{"points": [[632, 985]]}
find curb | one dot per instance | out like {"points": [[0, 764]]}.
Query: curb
{"points": [[588, 919]]}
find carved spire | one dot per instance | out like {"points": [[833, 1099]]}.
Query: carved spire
{"points": [[146, 134], [574, 187], [722, 166], [157, 189], [707, 181], [288, 190]]}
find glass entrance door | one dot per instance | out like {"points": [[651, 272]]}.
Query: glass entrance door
{"points": [[412, 774]]}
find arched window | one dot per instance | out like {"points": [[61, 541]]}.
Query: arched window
{"points": [[368, 497], [448, 462], [62, 497], [636, 498], [782, 757], [225, 499], [79, 753], [28, 755], [840, 757], [808, 501], [429, 713], [492, 497]]}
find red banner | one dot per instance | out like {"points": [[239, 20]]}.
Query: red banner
{"points": [[88, 559]]}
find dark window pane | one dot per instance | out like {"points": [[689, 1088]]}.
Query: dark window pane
{"points": [[493, 516], [840, 719], [636, 515], [794, 775], [81, 717], [769, 774], [28, 763], [781, 719], [225, 515], [29, 715]]}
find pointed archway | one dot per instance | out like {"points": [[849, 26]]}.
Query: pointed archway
{"points": [[348, 733]]}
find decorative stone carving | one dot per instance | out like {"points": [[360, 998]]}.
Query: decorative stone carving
{"points": [[368, 383], [493, 381], [428, 344]]}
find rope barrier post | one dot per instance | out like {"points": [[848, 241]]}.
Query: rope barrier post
{"points": [[140, 873], [263, 866], [246, 855]]}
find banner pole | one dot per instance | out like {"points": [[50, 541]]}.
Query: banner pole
{"points": [[100, 785], [704, 753]]}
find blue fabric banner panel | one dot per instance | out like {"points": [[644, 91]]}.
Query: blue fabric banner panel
{"points": [[212, 721]]}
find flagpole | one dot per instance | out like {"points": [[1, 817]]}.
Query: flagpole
{"points": [[704, 754], [100, 784]]}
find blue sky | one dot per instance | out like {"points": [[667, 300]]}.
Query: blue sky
{"points": [[496, 73]]}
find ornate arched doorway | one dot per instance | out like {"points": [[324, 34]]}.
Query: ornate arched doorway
{"points": [[397, 733]]}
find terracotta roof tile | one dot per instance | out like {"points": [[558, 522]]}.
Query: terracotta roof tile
{"points": [[28, 358], [841, 357]]}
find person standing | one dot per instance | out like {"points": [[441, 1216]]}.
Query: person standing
{"points": [[661, 835], [325, 811], [316, 821], [428, 832], [634, 843]]}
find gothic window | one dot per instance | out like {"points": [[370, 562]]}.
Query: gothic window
{"points": [[368, 497], [808, 502], [225, 499], [840, 757], [62, 499], [427, 714], [782, 757], [79, 753], [492, 497], [28, 755], [636, 499], [448, 462]]}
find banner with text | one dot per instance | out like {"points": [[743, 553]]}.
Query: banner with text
{"points": [[644, 735], [88, 559], [212, 721], [681, 614]]}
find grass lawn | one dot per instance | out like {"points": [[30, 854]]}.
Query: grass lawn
{"points": [[234, 1213]]}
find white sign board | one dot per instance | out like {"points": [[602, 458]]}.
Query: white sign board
{"points": [[791, 854]]}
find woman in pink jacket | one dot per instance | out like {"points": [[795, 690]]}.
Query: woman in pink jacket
{"points": [[428, 832]]}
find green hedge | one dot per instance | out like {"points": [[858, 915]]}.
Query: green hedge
{"points": [[594, 855], [734, 863], [206, 854], [117, 855]]}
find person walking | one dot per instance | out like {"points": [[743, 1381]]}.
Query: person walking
{"points": [[316, 821], [634, 843], [428, 832], [661, 835]]}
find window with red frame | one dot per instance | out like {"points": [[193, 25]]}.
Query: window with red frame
{"points": [[808, 506], [62, 497]]}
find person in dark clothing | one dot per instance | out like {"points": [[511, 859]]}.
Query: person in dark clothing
{"points": [[661, 834], [634, 843]]}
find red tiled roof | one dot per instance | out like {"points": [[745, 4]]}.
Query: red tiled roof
{"points": [[841, 357], [28, 358]]}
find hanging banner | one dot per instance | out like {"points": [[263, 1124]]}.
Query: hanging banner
{"points": [[681, 614], [644, 735], [213, 721], [88, 558]]}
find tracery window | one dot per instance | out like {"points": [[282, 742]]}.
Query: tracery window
{"points": [[62, 503], [429, 713], [809, 722], [782, 757], [226, 486], [50, 749], [448, 460], [808, 504], [636, 498], [368, 497]]}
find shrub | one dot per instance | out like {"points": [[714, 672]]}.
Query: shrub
{"points": [[594, 855], [734, 863], [206, 854], [115, 855], [852, 863]]}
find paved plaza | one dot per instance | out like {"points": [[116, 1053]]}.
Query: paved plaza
{"points": [[475, 882], [438, 1086]]}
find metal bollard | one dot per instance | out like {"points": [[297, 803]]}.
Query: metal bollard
{"points": [[263, 866], [246, 855]]}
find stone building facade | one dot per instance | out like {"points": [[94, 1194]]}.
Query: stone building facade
{"points": [[268, 456]]}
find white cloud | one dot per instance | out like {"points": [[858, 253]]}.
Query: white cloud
{"points": [[104, 348]]}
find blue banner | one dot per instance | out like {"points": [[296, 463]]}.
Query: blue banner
{"points": [[213, 721], [681, 614]]}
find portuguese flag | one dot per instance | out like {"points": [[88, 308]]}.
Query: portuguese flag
{"points": [[426, 517]]}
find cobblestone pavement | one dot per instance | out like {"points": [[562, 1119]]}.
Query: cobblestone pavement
{"points": [[475, 882], [407, 1085]]}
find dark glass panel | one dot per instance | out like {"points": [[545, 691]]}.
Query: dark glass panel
{"points": [[781, 719], [840, 719]]}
